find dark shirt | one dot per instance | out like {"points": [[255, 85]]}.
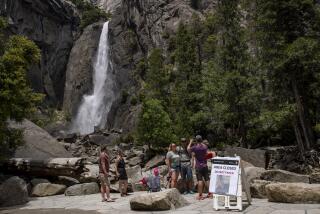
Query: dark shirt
{"points": [[200, 150], [185, 157]]}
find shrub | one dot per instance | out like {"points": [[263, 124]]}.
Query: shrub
{"points": [[155, 126], [90, 13]]}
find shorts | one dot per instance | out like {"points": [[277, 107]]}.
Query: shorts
{"points": [[175, 169], [104, 180], [122, 174], [186, 172], [202, 174]]}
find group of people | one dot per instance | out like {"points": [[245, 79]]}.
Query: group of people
{"points": [[182, 159], [104, 167]]}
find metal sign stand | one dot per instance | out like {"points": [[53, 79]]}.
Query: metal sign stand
{"points": [[227, 204]]}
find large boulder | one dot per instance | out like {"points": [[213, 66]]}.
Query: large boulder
{"points": [[246, 164], [158, 201], [82, 189], [90, 174], [315, 178], [67, 181], [134, 174], [134, 161], [47, 189], [13, 192], [257, 188], [100, 140], [38, 144], [253, 173], [293, 192], [37, 181], [257, 157], [283, 176], [157, 160]]}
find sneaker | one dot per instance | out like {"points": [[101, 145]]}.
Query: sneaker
{"points": [[200, 197], [191, 192], [185, 193], [210, 196]]}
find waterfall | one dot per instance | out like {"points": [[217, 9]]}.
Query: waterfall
{"points": [[95, 107]]}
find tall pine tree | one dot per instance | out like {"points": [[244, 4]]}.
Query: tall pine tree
{"points": [[288, 34]]}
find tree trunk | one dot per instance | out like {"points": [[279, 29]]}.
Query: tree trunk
{"points": [[303, 118], [71, 167], [242, 129], [300, 143]]}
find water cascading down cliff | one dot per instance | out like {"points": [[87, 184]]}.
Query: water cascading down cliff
{"points": [[95, 107]]}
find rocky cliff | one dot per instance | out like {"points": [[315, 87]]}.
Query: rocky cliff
{"points": [[107, 5], [137, 27], [65, 71], [52, 24], [80, 67]]}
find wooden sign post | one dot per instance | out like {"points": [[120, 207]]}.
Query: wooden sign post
{"points": [[226, 179]]}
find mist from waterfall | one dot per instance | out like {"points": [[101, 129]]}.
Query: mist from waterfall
{"points": [[94, 108]]}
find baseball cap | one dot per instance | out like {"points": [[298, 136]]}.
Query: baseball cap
{"points": [[198, 138]]}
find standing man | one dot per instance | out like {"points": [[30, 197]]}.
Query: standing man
{"points": [[186, 169], [104, 166], [200, 151]]}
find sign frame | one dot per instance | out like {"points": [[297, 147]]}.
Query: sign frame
{"points": [[241, 180]]}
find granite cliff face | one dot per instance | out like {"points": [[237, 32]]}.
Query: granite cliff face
{"points": [[107, 5], [52, 25], [137, 27]]}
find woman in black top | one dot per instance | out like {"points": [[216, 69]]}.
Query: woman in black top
{"points": [[122, 174]]}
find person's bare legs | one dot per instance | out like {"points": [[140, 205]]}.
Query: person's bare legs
{"points": [[108, 192], [125, 187], [103, 192], [174, 179], [208, 188], [121, 187], [200, 189]]}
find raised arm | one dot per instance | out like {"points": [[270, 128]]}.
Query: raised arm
{"points": [[193, 160], [189, 146]]}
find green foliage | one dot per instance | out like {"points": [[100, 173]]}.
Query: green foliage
{"points": [[17, 100], [155, 125], [90, 13], [247, 74], [185, 97], [289, 53], [157, 76]]}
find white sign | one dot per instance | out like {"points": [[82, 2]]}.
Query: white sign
{"points": [[225, 175]]}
